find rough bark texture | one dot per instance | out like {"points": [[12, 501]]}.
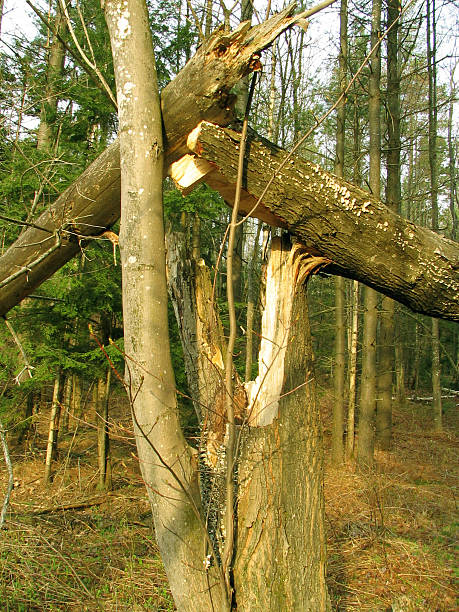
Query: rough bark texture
{"points": [[366, 436], [280, 550], [364, 238], [393, 200], [200, 91], [280, 553], [203, 341]]}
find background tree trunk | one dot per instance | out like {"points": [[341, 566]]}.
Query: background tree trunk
{"points": [[367, 406], [51, 447], [103, 439], [433, 122], [340, 297], [54, 71], [393, 200]]}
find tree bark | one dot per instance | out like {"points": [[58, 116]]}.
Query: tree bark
{"points": [[280, 551], [54, 71], [251, 299], [340, 297], [393, 201], [167, 462], [103, 439], [292, 449], [350, 437], [363, 237], [367, 408], [51, 447], [202, 90], [433, 129]]}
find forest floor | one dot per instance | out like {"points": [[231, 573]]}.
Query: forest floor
{"points": [[392, 534]]}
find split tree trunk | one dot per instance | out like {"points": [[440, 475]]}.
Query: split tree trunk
{"points": [[280, 548]]}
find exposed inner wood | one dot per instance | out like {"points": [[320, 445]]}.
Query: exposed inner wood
{"points": [[363, 237]]}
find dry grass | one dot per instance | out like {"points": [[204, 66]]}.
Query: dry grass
{"points": [[391, 534], [102, 556]]}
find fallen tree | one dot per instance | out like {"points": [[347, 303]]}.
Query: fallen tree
{"points": [[362, 237], [202, 90]]}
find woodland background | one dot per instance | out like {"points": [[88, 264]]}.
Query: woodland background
{"points": [[85, 519]]}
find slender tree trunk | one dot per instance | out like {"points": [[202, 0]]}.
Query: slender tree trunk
{"points": [[67, 397], [350, 437], [393, 200], [208, 27], [166, 460], [433, 121], [272, 97], [400, 375], [76, 396], [28, 413], [368, 385], [51, 448], [453, 194], [251, 298], [54, 72], [103, 439], [340, 297], [2, 4]]}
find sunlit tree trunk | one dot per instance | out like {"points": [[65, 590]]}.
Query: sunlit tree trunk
{"points": [[66, 399], [453, 193], [2, 4], [51, 447], [280, 552], [167, 462], [352, 369]]}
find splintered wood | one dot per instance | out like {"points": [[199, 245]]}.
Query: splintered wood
{"points": [[288, 267]]}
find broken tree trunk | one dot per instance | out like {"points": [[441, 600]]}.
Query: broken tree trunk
{"points": [[202, 90], [364, 239], [280, 550]]}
